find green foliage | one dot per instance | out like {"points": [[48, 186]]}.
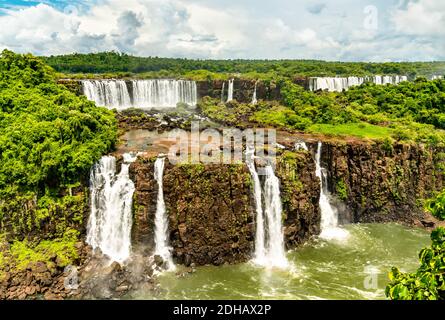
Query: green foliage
{"points": [[279, 116], [342, 190], [418, 101], [48, 135], [405, 112], [231, 113], [112, 62], [23, 253], [428, 282], [413, 111], [387, 146], [437, 206], [361, 130], [49, 139]]}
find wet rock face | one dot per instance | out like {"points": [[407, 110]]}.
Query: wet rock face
{"points": [[40, 280], [212, 211], [74, 86], [383, 183], [300, 193], [242, 90], [144, 202], [211, 221], [98, 279]]}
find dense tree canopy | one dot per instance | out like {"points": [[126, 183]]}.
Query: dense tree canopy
{"points": [[410, 111], [428, 282], [112, 62], [48, 135]]}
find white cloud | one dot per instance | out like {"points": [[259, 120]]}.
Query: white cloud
{"points": [[227, 29], [425, 17]]}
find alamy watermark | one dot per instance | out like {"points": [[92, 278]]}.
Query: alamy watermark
{"points": [[371, 21], [226, 146]]}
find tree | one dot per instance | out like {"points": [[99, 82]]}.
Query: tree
{"points": [[428, 282]]}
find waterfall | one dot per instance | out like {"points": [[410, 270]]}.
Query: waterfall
{"points": [[222, 91], [110, 222], [329, 214], [339, 84], [254, 98], [230, 91], [107, 93], [269, 239], [158, 93], [161, 219], [273, 209], [260, 250], [163, 93], [301, 145]]}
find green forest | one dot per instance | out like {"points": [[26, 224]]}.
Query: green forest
{"points": [[51, 137], [411, 111], [123, 65]]}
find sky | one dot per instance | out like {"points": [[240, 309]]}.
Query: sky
{"points": [[341, 30]]}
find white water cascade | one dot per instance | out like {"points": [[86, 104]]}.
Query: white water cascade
{"points": [[254, 97], [269, 239], [157, 93], [109, 225], [301, 145], [230, 90], [338, 84], [329, 215], [107, 93], [161, 219]]}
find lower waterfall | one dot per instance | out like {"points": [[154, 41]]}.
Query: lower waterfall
{"points": [[110, 222], [254, 97], [269, 238], [230, 90], [161, 219], [329, 215]]}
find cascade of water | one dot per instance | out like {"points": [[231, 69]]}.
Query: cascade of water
{"points": [[260, 250], [301, 145], [109, 225], [329, 214], [161, 219], [163, 93], [107, 93], [254, 98], [158, 93], [269, 239], [339, 84], [230, 90], [273, 211]]}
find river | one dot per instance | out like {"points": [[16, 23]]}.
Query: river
{"points": [[355, 268]]}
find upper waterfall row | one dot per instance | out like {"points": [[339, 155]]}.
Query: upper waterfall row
{"points": [[338, 84], [145, 94], [167, 93]]}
